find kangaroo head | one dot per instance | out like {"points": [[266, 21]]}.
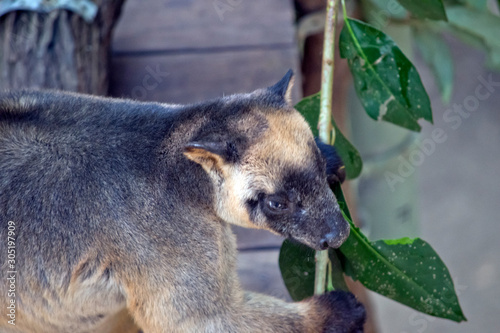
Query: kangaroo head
{"points": [[266, 168]]}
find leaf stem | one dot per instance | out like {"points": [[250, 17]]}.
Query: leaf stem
{"points": [[326, 131]]}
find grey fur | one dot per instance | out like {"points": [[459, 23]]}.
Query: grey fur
{"points": [[110, 213]]}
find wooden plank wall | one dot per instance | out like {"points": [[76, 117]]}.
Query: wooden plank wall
{"points": [[184, 51], [200, 49]]}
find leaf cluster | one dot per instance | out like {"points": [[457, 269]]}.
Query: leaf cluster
{"points": [[390, 89], [472, 21]]}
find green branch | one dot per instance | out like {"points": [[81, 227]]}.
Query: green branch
{"points": [[326, 132]]}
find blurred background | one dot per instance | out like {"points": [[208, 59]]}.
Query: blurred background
{"points": [[185, 51]]}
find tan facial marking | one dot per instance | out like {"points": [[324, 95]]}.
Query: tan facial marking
{"points": [[231, 205], [284, 144]]}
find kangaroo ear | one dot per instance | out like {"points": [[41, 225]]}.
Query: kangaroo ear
{"points": [[284, 87], [211, 153]]}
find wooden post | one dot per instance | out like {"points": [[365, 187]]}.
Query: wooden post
{"points": [[57, 50]]}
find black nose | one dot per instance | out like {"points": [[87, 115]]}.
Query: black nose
{"points": [[332, 239], [323, 245]]}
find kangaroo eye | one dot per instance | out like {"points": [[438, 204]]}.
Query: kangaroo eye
{"points": [[275, 205]]}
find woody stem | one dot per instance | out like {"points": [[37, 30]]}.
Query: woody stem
{"points": [[326, 132]]}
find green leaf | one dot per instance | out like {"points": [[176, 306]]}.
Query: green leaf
{"points": [[309, 108], [431, 9], [480, 24], [386, 82], [437, 54], [336, 279], [406, 270], [297, 267]]}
